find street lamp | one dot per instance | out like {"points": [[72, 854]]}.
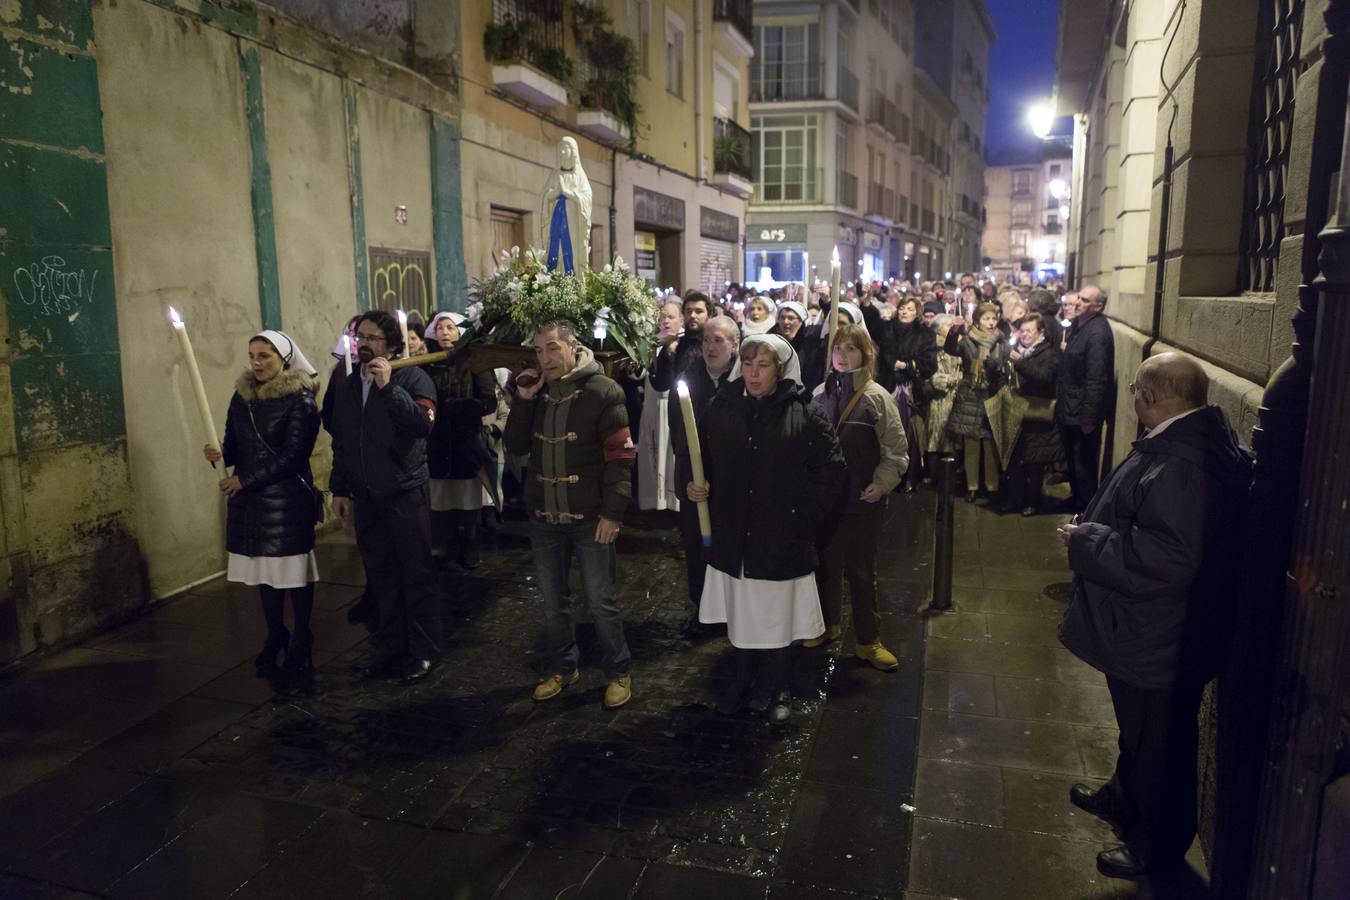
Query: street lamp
{"points": [[1057, 187], [1041, 118]]}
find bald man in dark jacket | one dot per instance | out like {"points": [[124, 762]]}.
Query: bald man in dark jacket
{"points": [[1154, 562]]}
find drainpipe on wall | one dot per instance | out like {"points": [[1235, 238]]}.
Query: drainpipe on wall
{"points": [[1159, 280], [613, 197], [699, 127]]}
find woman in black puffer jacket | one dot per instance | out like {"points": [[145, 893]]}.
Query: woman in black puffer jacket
{"points": [[270, 431], [911, 356], [457, 449]]}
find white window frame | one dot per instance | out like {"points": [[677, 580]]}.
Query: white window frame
{"points": [[676, 34], [807, 167], [640, 32], [728, 71]]}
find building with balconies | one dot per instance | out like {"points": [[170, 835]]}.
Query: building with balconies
{"points": [[1028, 201], [656, 94], [830, 93]]}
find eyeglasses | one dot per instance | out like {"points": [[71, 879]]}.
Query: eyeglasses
{"points": [[361, 338]]}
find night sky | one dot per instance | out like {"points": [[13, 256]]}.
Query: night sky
{"points": [[1021, 70]]}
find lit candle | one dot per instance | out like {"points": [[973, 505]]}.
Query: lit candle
{"points": [[695, 458], [832, 323], [403, 327], [195, 376], [347, 347]]}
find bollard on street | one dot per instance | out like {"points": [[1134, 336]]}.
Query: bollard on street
{"points": [[944, 535]]}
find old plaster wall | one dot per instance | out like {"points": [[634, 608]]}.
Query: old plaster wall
{"points": [[65, 496], [183, 224], [307, 151]]}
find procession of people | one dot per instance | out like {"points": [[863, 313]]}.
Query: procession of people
{"points": [[774, 436]]}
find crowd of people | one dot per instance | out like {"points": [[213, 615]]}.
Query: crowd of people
{"points": [[806, 424]]}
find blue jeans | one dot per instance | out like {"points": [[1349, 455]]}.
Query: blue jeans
{"points": [[553, 547]]}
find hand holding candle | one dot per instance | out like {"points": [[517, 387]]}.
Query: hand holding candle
{"points": [[695, 458], [195, 376]]}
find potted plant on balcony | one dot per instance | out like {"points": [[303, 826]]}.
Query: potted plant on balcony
{"points": [[612, 82], [728, 153]]}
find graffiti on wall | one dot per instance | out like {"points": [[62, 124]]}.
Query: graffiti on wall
{"points": [[401, 279], [54, 288]]}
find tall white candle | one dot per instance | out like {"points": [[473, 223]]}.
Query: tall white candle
{"points": [[403, 327], [695, 458], [833, 322], [347, 348], [195, 376]]}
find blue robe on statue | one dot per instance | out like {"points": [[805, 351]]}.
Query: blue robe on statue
{"points": [[560, 237]]}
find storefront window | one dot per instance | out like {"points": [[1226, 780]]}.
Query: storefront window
{"points": [[775, 268]]}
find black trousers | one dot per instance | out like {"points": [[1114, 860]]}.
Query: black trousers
{"points": [[1082, 454], [393, 534], [1154, 785], [852, 551], [691, 539]]}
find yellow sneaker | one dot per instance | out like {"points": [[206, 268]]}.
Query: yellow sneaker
{"points": [[831, 634], [618, 692], [878, 656], [553, 685]]}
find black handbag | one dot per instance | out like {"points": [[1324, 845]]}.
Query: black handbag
{"points": [[319, 507]]}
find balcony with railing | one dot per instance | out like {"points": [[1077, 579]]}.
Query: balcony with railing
{"points": [[847, 190], [1052, 228], [902, 209], [880, 201], [787, 82], [524, 41], [805, 187], [732, 166], [928, 222], [738, 14], [882, 114], [848, 88]]}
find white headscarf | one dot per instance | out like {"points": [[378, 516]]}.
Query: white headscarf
{"points": [[455, 317], [787, 357], [291, 355], [752, 327], [795, 307]]}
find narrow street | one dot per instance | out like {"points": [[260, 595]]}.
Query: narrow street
{"points": [[151, 762]]}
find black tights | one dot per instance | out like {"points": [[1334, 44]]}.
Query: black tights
{"points": [[274, 610]]}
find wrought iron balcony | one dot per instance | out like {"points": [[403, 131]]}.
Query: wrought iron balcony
{"points": [[881, 111], [848, 88], [739, 13], [731, 149], [847, 190], [880, 201], [529, 30]]}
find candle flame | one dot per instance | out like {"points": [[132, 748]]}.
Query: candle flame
{"points": [[834, 257], [174, 317], [402, 317], [682, 389]]}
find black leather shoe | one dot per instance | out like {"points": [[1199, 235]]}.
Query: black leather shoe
{"points": [[759, 699], [414, 670], [1119, 862], [265, 663], [378, 667], [781, 709], [1094, 802]]}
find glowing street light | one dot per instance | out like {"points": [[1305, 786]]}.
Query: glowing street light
{"points": [[1041, 118], [1057, 188]]}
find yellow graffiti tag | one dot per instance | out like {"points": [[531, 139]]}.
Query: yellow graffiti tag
{"points": [[392, 280]]}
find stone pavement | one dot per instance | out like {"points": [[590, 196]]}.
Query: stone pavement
{"points": [[150, 762], [1010, 721]]}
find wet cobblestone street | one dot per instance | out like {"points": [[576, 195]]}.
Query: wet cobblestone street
{"points": [[151, 762]]}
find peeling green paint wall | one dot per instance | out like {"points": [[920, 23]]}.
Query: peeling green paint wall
{"points": [[64, 481]]}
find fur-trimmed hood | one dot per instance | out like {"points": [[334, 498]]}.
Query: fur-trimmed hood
{"points": [[286, 382]]}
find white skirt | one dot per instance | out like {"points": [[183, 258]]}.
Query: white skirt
{"points": [[281, 572], [762, 615], [457, 493]]}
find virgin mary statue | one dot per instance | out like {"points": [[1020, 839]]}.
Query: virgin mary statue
{"points": [[566, 219]]}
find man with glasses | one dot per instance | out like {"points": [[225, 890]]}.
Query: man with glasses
{"points": [[381, 419]]}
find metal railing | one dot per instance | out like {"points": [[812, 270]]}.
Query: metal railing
{"points": [[788, 81], [806, 189], [739, 13], [880, 201], [881, 110], [848, 88], [847, 190], [530, 30], [731, 149], [903, 134]]}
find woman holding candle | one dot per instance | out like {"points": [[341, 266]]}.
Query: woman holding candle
{"points": [[772, 468], [270, 431], [984, 358], [457, 448], [867, 423]]}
